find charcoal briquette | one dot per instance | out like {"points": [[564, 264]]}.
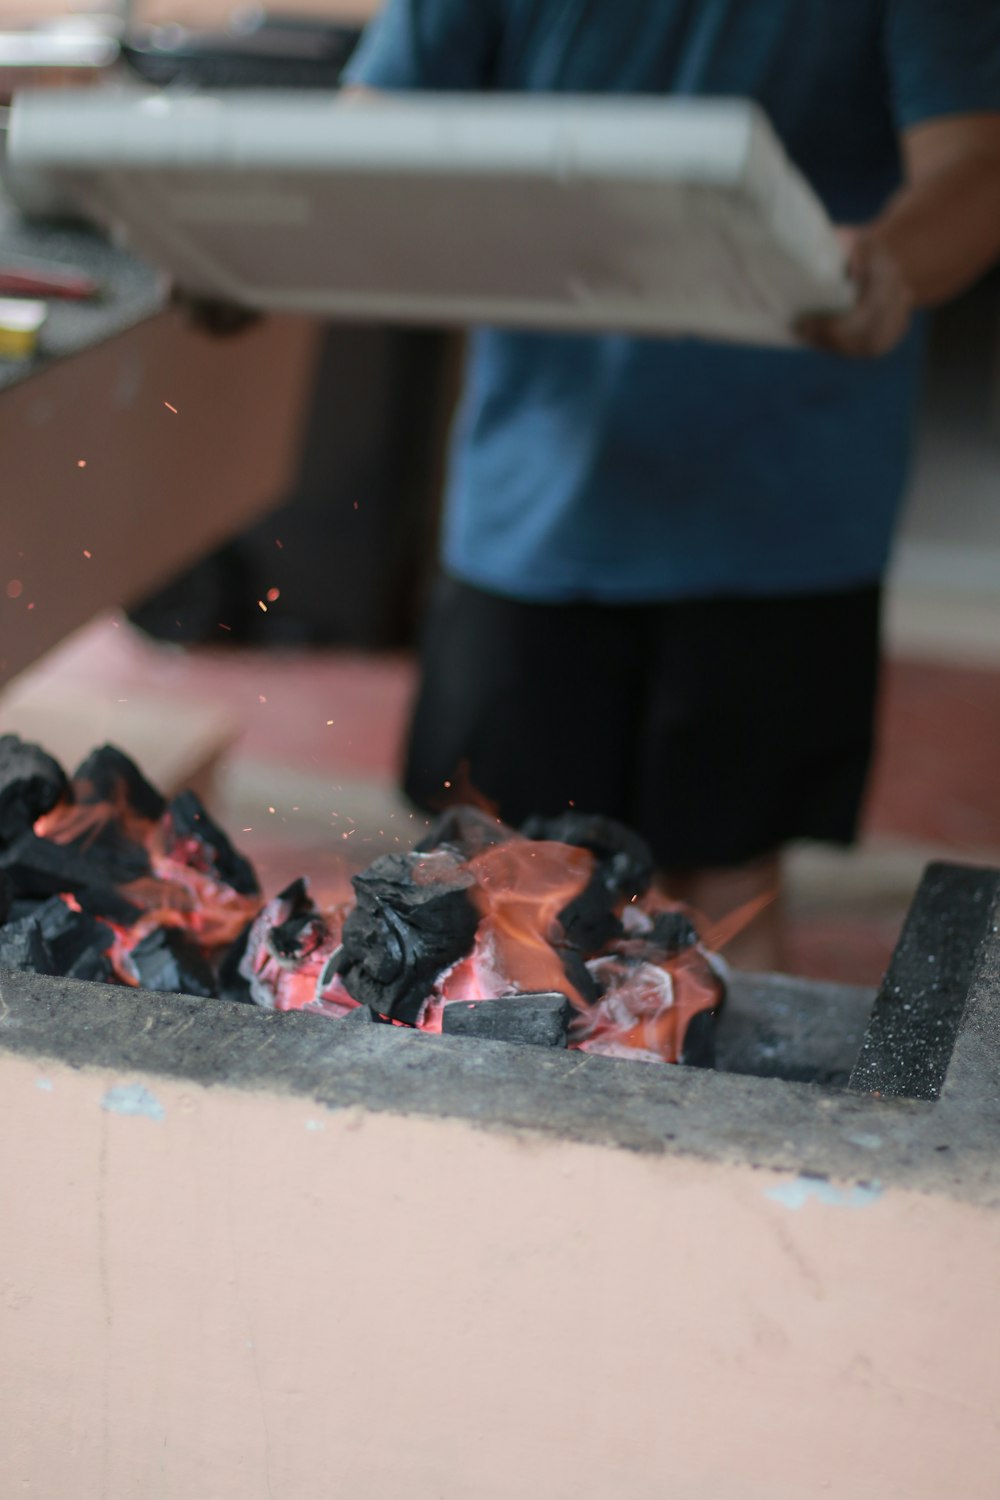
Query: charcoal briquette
{"points": [[698, 1047], [73, 937], [363, 1015], [190, 820], [531, 1020], [109, 775], [673, 932], [231, 983], [302, 931], [97, 968], [168, 962], [412, 919], [38, 868], [23, 947], [624, 859], [31, 783], [467, 830]]}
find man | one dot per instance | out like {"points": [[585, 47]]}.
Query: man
{"points": [[662, 559]]}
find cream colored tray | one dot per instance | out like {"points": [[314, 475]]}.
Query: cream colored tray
{"points": [[652, 216]]}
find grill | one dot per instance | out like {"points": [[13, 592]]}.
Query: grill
{"points": [[380, 1262]]}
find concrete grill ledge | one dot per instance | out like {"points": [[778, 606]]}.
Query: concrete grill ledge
{"points": [[251, 1254]]}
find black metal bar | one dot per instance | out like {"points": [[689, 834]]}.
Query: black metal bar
{"points": [[918, 1012]]}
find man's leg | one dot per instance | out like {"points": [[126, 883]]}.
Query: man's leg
{"points": [[758, 732], [535, 706]]}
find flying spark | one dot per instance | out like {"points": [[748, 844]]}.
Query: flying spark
{"points": [[81, 463], [170, 408], [261, 605], [15, 588], [273, 595], [86, 553]]}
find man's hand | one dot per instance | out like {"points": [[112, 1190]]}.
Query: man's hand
{"points": [[880, 317], [933, 239]]}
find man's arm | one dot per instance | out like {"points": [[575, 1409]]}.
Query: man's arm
{"points": [[938, 234]]}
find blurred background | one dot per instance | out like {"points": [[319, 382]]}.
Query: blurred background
{"points": [[276, 669]]}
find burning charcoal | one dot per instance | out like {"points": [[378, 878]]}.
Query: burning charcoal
{"points": [[577, 972], [302, 931], [673, 931], [623, 869], [38, 868], [72, 936], [23, 947], [412, 920], [232, 985], [168, 962], [467, 830], [108, 775], [110, 847], [590, 921], [532, 1020], [625, 860], [31, 783], [289, 958], [698, 1048], [190, 823]]}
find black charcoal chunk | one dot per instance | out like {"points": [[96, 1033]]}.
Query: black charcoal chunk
{"points": [[168, 962], [38, 868], [576, 971], [625, 860], [73, 936], [31, 783], [302, 931], [363, 1015], [190, 820], [532, 1020], [110, 849], [23, 947], [698, 1047], [413, 919], [97, 968], [673, 932], [590, 921], [623, 868], [231, 983], [108, 775], [467, 830]]}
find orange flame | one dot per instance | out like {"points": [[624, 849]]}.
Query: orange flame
{"points": [[521, 887]]}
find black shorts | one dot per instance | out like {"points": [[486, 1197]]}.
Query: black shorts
{"points": [[719, 729]]}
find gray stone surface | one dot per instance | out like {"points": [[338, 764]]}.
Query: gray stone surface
{"points": [[773, 1026], [132, 291], [948, 1147]]}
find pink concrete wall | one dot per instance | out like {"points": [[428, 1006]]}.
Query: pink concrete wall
{"points": [[233, 1296]]}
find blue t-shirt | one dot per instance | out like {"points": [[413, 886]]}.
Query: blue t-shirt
{"points": [[624, 469]]}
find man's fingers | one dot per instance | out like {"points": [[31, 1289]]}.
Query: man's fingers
{"points": [[880, 317]]}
